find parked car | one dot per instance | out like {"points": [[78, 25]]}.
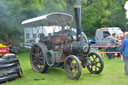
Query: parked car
{"points": [[103, 33]]}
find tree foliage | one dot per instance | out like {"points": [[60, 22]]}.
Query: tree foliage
{"points": [[95, 14], [103, 13]]}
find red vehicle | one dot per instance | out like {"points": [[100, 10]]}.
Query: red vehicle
{"points": [[4, 50]]}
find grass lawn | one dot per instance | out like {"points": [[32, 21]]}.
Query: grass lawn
{"points": [[113, 74]]}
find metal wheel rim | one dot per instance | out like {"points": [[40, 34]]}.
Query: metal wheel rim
{"points": [[72, 67], [37, 58], [96, 64]]}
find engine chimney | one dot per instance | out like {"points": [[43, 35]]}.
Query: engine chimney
{"points": [[77, 10]]}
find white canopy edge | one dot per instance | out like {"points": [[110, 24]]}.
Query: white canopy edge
{"points": [[34, 19], [50, 18]]}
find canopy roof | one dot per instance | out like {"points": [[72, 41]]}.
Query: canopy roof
{"points": [[57, 18]]}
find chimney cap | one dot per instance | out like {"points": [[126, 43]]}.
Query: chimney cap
{"points": [[77, 6]]}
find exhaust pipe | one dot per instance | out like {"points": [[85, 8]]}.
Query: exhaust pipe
{"points": [[77, 10]]}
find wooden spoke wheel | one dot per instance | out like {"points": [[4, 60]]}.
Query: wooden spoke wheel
{"points": [[96, 64], [37, 57], [72, 67]]}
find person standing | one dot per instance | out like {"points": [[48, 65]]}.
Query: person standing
{"points": [[111, 44], [124, 52]]}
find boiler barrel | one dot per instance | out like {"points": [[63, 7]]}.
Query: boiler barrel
{"points": [[79, 48]]}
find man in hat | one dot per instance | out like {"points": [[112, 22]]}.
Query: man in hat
{"points": [[124, 52]]}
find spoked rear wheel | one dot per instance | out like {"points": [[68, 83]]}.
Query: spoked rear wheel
{"points": [[96, 64], [72, 67], [37, 57]]}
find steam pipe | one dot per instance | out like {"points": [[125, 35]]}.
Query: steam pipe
{"points": [[77, 10]]}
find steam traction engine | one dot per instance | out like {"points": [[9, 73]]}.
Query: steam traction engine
{"points": [[67, 48]]}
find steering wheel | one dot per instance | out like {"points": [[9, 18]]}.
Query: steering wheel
{"points": [[120, 36]]}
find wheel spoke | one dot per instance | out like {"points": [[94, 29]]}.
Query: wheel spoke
{"points": [[37, 49], [33, 54], [95, 58], [34, 61], [98, 62], [41, 53], [42, 58], [91, 67], [97, 66]]}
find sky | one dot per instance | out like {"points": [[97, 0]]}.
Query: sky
{"points": [[126, 8]]}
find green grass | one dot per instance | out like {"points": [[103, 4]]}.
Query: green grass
{"points": [[113, 74]]}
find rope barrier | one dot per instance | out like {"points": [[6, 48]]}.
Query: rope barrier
{"points": [[107, 52], [106, 47], [121, 57]]}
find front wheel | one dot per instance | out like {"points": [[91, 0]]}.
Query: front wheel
{"points": [[96, 63], [72, 67]]}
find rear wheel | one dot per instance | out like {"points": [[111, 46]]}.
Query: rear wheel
{"points": [[38, 54], [96, 64], [72, 67]]}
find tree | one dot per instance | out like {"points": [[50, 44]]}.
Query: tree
{"points": [[95, 14], [92, 15], [103, 13], [9, 23]]}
